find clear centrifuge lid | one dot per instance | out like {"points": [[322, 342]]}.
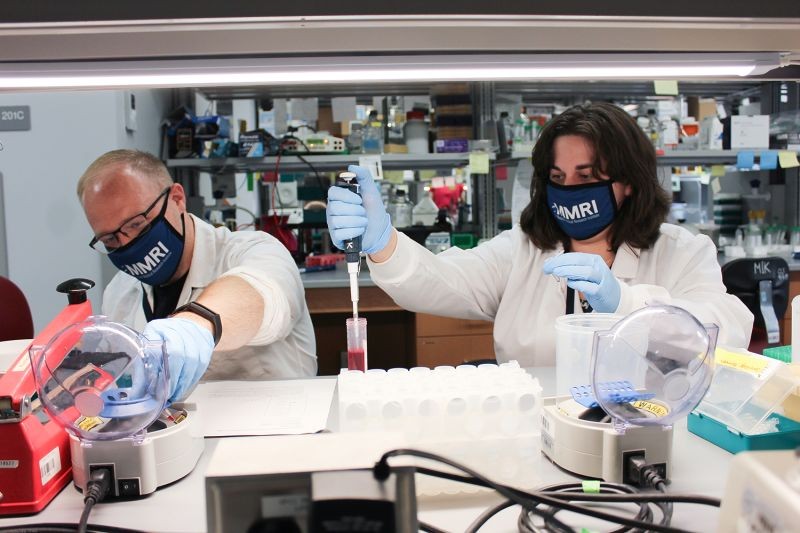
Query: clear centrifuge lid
{"points": [[101, 380], [653, 366]]}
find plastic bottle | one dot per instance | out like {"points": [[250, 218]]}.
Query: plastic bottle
{"points": [[654, 129], [424, 212], [415, 132], [355, 141], [505, 133], [401, 210], [373, 138], [520, 134]]}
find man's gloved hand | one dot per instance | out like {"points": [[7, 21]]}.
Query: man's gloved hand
{"points": [[350, 215], [589, 274], [189, 347]]}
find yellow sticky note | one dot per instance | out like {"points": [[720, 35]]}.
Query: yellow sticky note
{"points": [[666, 87], [717, 170], [788, 159], [479, 163], [752, 364]]}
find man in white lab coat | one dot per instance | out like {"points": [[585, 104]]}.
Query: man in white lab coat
{"points": [[200, 289], [591, 239]]}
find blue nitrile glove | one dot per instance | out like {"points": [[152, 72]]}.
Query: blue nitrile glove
{"points": [[350, 215], [189, 348], [589, 274]]}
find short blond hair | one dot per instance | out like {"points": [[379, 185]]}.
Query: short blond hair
{"points": [[142, 163]]}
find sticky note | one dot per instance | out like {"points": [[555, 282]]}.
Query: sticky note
{"points": [[768, 159], [716, 186], [718, 170], [788, 159], [666, 87], [745, 159], [373, 163], [344, 108], [479, 163]]}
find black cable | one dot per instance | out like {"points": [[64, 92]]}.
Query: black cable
{"points": [[382, 469], [529, 501], [588, 497], [429, 528], [299, 156], [568, 490], [97, 488], [488, 514], [64, 528]]}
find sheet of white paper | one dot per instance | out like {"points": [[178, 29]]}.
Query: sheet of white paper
{"points": [[344, 108], [290, 407]]}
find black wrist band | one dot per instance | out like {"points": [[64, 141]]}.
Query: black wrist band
{"points": [[203, 311]]}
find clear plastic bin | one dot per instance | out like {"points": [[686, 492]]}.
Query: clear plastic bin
{"points": [[747, 390]]}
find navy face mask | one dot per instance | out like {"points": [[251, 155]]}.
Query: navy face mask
{"points": [[582, 211], [154, 255]]}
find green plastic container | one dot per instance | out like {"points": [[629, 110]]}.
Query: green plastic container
{"points": [[463, 240]]}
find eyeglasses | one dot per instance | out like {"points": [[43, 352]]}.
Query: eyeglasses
{"points": [[133, 227]]}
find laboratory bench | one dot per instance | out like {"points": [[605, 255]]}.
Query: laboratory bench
{"points": [[699, 467], [396, 337]]}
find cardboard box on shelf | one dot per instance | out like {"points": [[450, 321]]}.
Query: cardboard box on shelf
{"points": [[700, 108]]}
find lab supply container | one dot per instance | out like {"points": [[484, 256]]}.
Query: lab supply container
{"points": [[574, 341], [415, 133], [424, 213], [753, 403], [400, 210], [438, 241], [485, 416], [372, 139]]}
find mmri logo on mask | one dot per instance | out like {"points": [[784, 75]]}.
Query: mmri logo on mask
{"points": [[152, 261], [581, 211]]}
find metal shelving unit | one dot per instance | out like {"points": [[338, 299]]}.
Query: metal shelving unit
{"points": [[322, 162], [682, 157]]}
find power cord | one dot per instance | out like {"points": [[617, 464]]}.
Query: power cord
{"points": [[97, 489], [63, 528], [556, 498]]}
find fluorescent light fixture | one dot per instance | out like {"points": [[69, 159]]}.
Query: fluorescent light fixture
{"points": [[379, 69]]}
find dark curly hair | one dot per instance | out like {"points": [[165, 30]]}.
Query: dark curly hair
{"points": [[623, 152]]}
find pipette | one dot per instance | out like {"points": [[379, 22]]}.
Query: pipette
{"points": [[352, 247]]}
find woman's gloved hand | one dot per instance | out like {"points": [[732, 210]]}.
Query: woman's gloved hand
{"points": [[589, 274], [189, 347], [350, 215]]}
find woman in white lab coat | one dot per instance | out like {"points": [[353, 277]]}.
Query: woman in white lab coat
{"points": [[593, 238]]}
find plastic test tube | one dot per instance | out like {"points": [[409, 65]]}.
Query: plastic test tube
{"points": [[357, 344]]}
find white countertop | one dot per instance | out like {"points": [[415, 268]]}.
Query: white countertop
{"points": [[699, 467]]}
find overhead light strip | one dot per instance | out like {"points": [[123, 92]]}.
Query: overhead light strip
{"points": [[337, 70]]}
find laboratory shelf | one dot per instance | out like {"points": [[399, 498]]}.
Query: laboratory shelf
{"points": [[323, 163], [680, 157]]}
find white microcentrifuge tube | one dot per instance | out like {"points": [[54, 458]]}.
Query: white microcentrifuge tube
{"points": [[356, 344]]}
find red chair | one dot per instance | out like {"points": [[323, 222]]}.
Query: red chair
{"points": [[15, 315]]}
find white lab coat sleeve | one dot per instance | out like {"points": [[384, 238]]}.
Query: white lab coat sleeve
{"points": [[693, 281], [456, 283], [270, 270]]}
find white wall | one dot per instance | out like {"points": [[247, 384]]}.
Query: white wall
{"points": [[46, 232]]}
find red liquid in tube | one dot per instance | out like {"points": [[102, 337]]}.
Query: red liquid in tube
{"points": [[355, 359]]}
